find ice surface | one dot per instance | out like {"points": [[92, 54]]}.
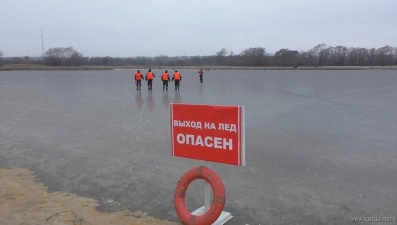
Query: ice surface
{"points": [[321, 145]]}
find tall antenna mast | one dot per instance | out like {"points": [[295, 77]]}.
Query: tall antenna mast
{"points": [[42, 44]]}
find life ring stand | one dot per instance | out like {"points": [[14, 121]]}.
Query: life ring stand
{"points": [[218, 200]]}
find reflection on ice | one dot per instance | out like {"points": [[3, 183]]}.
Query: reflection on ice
{"points": [[138, 99], [201, 89], [165, 100], [149, 101], [177, 97]]}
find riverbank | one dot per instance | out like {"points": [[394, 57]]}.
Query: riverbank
{"points": [[12, 67], [22, 201]]}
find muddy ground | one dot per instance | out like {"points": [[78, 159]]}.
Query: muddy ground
{"points": [[22, 201]]}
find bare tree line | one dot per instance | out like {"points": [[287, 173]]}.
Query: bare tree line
{"points": [[59, 56], [63, 57], [320, 55]]}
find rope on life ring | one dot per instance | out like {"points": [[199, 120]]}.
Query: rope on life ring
{"points": [[218, 200]]}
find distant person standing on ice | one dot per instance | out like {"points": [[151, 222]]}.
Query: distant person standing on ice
{"points": [[201, 72], [178, 78], [149, 77], [138, 79], [165, 78]]}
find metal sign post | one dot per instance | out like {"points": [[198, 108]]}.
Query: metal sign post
{"points": [[210, 137], [224, 217]]}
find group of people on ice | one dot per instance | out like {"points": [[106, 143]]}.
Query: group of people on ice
{"points": [[165, 77]]}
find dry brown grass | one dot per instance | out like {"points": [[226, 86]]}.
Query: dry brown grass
{"points": [[43, 67], [23, 202], [297, 68], [260, 68]]}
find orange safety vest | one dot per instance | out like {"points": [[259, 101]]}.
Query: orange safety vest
{"points": [[138, 76], [165, 76], [177, 76], [150, 75]]}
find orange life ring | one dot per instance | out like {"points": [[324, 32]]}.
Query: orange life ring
{"points": [[218, 200]]}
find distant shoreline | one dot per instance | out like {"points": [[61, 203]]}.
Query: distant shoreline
{"points": [[16, 67]]}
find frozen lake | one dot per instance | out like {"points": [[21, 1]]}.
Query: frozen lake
{"points": [[321, 146]]}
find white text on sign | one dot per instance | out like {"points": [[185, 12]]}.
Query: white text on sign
{"points": [[216, 142], [209, 126]]}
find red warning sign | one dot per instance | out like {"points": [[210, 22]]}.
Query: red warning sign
{"points": [[208, 132]]}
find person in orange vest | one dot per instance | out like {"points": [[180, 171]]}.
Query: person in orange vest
{"points": [[149, 77], [201, 75], [138, 79], [165, 78], [178, 78]]}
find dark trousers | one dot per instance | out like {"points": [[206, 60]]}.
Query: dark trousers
{"points": [[165, 84], [138, 84], [149, 84], [177, 84], [201, 78]]}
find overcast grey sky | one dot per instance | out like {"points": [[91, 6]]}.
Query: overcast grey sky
{"points": [[192, 27]]}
